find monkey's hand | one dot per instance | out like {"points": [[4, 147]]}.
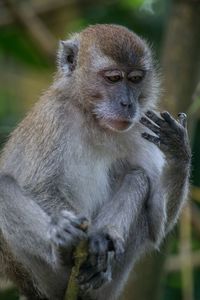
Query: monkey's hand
{"points": [[67, 230], [171, 135], [104, 248]]}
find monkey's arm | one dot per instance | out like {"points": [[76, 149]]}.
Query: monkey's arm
{"points": [[124, 208], [176, 184], [24, 226], [25, 230], [23, 222], [172, 139]]}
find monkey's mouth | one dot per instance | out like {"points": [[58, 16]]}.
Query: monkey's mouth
{"points": [[116, 124]]}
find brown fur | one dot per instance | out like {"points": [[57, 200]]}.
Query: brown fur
{"points": [[117, 42]]}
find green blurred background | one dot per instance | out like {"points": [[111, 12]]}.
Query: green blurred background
{"points": [[29, 33]]}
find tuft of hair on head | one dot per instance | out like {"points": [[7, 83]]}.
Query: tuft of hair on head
{"points": [[113, 41]]}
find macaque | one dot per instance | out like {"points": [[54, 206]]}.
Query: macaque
{"points": [[93, 148]]}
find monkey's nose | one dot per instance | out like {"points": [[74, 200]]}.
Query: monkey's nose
{"points": [[126, 104]]}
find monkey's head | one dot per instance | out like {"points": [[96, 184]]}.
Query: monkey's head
{"points": [[111, 74]]}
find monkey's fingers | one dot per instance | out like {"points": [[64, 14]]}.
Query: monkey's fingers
{"points": [[153, 139], [79, 222], [118, 250], [84, 224], [98, 248], [98, 261], [105, 276], [155, 118], [169, 119], [86, 273], [95, 282], [182, 118], [93, 279], [99, 280], [146, 122]]}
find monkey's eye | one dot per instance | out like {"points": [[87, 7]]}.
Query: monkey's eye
{"points": [[113, 76], [136, 76]]}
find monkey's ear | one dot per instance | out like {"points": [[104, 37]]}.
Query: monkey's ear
{"points": [[67, 56]]}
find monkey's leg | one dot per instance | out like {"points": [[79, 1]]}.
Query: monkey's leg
{"points": [[121, 269], [136, 246], [24, 227], [111, 229]]}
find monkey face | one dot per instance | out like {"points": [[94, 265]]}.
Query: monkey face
{"points": [[117, 107], [112, 73], [116, 95]]}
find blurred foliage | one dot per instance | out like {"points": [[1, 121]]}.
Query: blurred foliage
{"points": [[9, 295], [16, 45]]}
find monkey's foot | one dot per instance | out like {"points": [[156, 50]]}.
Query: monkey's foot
{"points": [[90, 278], [97, 270]]}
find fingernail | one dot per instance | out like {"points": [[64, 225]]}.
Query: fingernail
{"points": [[165, 113], [84, 224], [181, 114]]}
